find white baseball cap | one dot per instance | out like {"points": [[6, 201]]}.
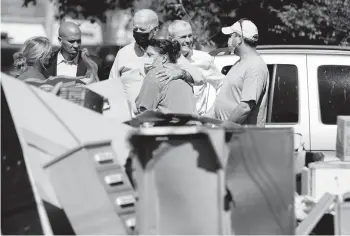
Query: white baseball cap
{"points": [[250, 31]]}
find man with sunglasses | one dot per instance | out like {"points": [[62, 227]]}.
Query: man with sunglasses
{"points": [[243, 95], [132, 63], [68, 61]]}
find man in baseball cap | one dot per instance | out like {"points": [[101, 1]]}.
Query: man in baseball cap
{"points": [[243, 29], [243, 95]]}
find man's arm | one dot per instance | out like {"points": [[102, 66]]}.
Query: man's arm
{"points": [[253, 86], [182, 70], [114, 73], [205, 63], [191, 74], [240, 114], [215, 77]]}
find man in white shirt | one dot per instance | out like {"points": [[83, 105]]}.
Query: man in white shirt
{"points": [[68, 61], [131, 60], [205, 94]]}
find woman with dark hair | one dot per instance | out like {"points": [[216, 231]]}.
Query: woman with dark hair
{"points": [[33, 59], [175, 96]]}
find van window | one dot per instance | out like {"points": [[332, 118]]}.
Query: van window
{"points": [[283, 95], [334, 92]]}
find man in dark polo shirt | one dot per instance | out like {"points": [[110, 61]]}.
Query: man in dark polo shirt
{"points": [[243, 95]]}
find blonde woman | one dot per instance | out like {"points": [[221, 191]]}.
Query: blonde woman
{"points": [[33, 59]]}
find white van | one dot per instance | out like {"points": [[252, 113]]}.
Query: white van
{"points": [[309, 88]]}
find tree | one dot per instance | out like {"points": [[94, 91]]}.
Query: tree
{"points": [[278, 21], [85, 9], [325, 21]]}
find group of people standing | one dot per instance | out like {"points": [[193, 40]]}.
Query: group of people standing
{"points": [[166, 75]]}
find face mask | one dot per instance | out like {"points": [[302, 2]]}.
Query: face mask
{"points": [[148, 64], [233, 47], [142, 39]]}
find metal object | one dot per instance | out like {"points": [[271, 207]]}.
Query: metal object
{"points": [[322, 206], [103, 157], [85, 182], [260, 179], [84, 97], [114, 179], [22, 209], [296, 48], [180, 180], [342, 216], [125, 200]]}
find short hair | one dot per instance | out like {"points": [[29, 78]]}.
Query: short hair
{"points": [[167, 47], [149, 16], [34, 49], [177, 23]]}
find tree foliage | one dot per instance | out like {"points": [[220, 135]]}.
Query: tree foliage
{"points": [[279, 21], [327, 21], [85, 9]]}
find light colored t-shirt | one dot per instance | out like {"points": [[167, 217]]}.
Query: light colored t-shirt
{"points": [[128, 69], [173, 97], [248, 80], [205, 94]]}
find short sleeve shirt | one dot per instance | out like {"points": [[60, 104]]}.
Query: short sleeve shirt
{"points": [[175, 96], [248, 80]]}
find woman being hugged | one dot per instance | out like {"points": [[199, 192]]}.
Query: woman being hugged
{"points": [[174, 96], [33, 59]]}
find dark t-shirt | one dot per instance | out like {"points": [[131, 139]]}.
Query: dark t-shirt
{"points": [[173, 97]]}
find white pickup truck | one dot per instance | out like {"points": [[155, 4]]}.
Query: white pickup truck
{"points": [[309, 88]]}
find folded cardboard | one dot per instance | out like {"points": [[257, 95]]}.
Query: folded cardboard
{"points": [[330, 176], [343, 138]]}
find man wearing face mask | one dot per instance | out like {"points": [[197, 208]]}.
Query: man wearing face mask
{"points": [[205, 94], [132, 63], [243, 96], [70, 61]]}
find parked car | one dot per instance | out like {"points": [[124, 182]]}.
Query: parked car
{"points": [[309, 88]]}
